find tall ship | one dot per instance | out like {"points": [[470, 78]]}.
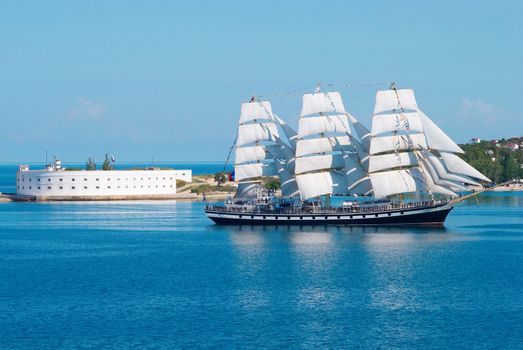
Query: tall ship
{"points": [[335, 171]]}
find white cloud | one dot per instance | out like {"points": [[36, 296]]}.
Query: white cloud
{"points": [[481, 111], [86, 109]]}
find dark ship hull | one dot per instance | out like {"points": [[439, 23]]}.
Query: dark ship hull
{"points": [[423, 215]]}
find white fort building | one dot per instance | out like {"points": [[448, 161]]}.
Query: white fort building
{"points": [[57, 183]]}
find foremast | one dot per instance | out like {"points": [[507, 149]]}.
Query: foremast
{"points": [[409, 153]]}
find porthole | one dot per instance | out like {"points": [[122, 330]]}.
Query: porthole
{"points": [[338, 216], [252, 216], [389, 214], [376, 215], [402, 213], [326, 217]]}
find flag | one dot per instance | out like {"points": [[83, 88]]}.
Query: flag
{"points": [[112, 159], [231, 176]]}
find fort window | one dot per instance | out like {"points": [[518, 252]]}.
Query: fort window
{"points": [[85, 187], [108, 186], [61, 187], [61, 179], [97, 179], [85, 179], [48, 179], [97, 187], [48, 187], [72, 187], [38, 187], [72, 179]]}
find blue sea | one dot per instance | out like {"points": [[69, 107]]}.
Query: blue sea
{"points": [[160, 275]]}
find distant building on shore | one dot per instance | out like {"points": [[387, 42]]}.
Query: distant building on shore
{"points": [[57, 183], [475, 140]]}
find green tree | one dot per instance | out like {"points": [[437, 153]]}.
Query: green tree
{"points": [[220, 178], [107, 163], [273, 184], [90, 165]]}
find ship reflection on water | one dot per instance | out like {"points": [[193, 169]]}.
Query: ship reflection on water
{"points": [[323, 265]]}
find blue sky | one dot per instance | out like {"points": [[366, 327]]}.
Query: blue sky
{"points": [[164, 80]]}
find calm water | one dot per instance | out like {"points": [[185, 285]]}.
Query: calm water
{"points": [[160, 275]]}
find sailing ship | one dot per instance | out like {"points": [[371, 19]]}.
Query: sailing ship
{"points": [[403, 171]]}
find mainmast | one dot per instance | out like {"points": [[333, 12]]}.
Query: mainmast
{"points": [[323, 136]]}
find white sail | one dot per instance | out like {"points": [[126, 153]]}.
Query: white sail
{"points": [[317, 184], [322, 145], [322, 102], [396, 181], [396, 122], [289, 187], [442, 172], [388, 100], [457, 165], [247, 189], [391, 161], [318, 162], [250, 154], [256, 111], [323, 124], [357, 180], [436, 138], [431, 185], [288, 131], [252, 133], [314, 185], [363, 133], [451, 184], [254, 170], [397, 143]]}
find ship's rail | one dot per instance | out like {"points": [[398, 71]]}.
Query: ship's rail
{"points": [[267, 209]]}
